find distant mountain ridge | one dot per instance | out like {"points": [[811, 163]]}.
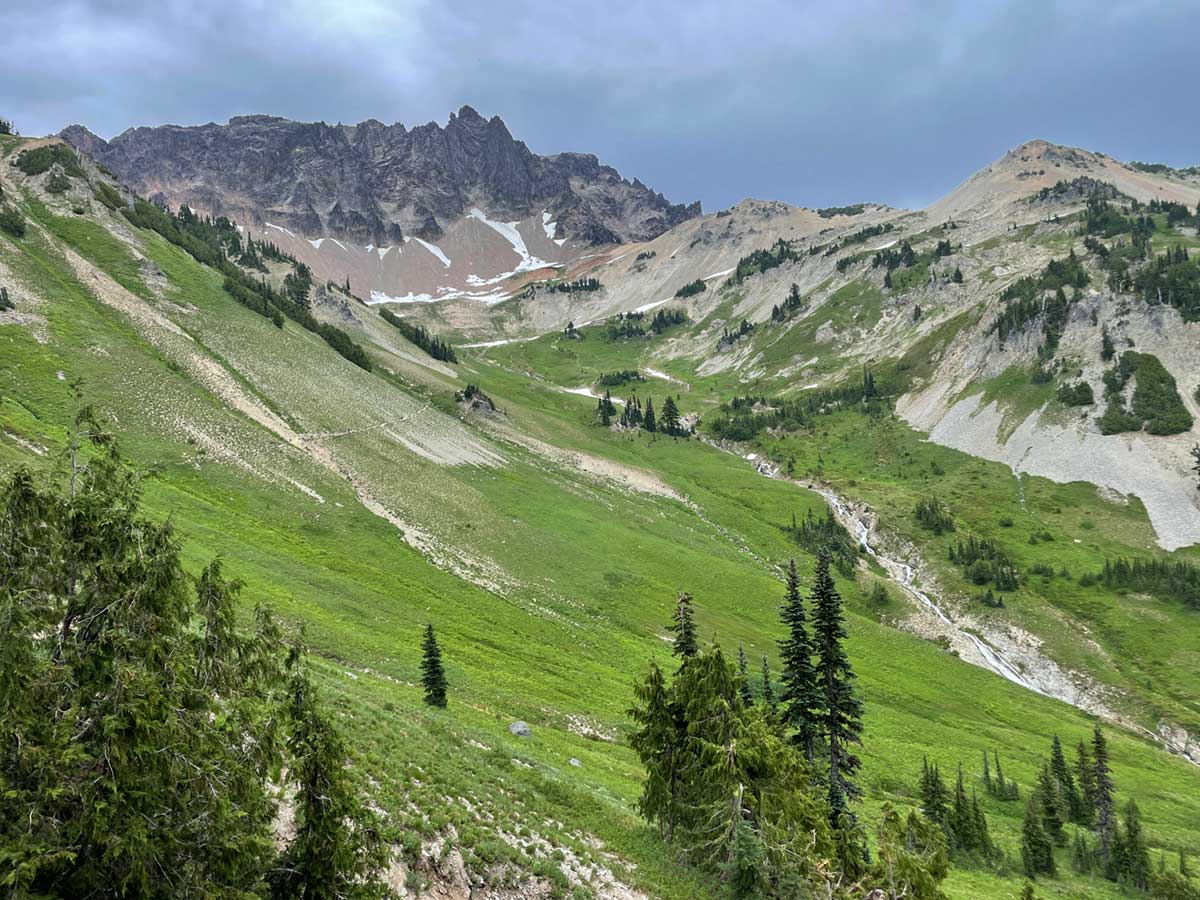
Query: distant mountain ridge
{"points": [[376, 183]]}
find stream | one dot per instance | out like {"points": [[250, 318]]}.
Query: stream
{"points": [[1052, 682]]}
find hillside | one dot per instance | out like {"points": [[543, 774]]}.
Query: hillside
{"points": [[363, 500], [429, 212]]}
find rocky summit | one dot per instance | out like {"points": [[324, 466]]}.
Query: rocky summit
{"points": [[376, 183]]}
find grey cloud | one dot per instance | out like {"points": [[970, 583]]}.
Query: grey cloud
{"points": [[813, 103]]}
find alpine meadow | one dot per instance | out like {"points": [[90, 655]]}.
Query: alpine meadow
{"points": [[401, 511]]}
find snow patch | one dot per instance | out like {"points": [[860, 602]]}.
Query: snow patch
{"points": [[548, 226], [279, 228], [435, 250], [646, 307], [720, 274], [508, 231]]}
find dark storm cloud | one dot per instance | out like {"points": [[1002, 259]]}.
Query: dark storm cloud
{"points": [[813, 103]]}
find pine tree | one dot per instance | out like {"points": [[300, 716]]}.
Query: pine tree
{"points": [[670, 417], [1085, 771], [1051, 806], [962, 818], [801, 694], [935, 797], [958, 275], [1072, 801], [337, 851], [658, 742], [1105, 818], [1081, 855], [768, 692], [840, 715], [648, 421], [433, 675], [683, 626], [1135, 857], [1037, 851], [744, 677]]}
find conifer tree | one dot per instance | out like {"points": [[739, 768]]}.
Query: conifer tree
{"points": [[683, 626], [670, 417], [987, 774], [962, 818], [801, 695], [1067, 790], [648, 421], [1105, 818], [934, 796], [1085, 770], [1135, 855], [911, 860], [744, 677], [958, 275], [768, 693], [433, 676], [658, 741], [840, 716], [337, 852], [1037, 851], [1027, 891], [1051, 806], [1081, 855]]}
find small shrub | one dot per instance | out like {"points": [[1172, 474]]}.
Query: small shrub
{"points": [[39, 160], [12, 221], [58, 183]]}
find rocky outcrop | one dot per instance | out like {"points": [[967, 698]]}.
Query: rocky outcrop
{"points": [[374, 183]]}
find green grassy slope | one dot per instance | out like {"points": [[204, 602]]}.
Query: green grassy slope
{"points": [[587, 570]]}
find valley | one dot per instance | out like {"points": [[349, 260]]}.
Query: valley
{"points": [[364, 493]]}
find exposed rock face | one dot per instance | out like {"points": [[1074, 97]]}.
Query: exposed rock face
{"points": [[371, 183]]}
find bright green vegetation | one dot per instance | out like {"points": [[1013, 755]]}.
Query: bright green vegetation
{"points": [[142, 730], [575, 576], [39, 160], [1156, 404]]}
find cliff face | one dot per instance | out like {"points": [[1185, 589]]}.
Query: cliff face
{"points": [[373, 183]]}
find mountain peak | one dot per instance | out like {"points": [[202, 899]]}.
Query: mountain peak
{"points": [[365, 182]]}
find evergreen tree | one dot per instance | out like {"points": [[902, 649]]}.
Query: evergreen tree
{"points": [[1051, 805], [962, 818], [683, 626], [1037, 851], [840, 715], [1027, 891], [1081, 854], [1105, 817], [337, 852], [648, 421], [801, 693], [1072, 801], [1085, 771], [670, 417], [433, 676], [987, 775], [935, 797], [958, 275], [744, 677], [152, 776], [658, 742], [1135, 855], [911, 859], [768, 692]]}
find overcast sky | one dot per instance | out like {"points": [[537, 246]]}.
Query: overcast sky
{"points": [[811, 103]]}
